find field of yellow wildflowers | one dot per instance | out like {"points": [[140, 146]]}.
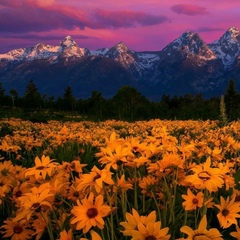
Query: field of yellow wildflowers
{"points": [[147, 180]]}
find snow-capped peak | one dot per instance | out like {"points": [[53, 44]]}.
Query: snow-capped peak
{"points": [[189, 40], [68, 42], [232, 35], [189, 43], [233, 32], [121, 46], [227, 47]]}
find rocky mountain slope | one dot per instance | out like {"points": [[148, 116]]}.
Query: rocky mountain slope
{"points": [[187, 65]]}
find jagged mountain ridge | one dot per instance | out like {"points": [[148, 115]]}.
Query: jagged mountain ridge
{"points": [[186, 65]]}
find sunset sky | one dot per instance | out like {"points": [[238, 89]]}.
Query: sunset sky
{"points": [[142, 24]]}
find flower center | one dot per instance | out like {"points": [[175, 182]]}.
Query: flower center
{"points": [[17, 229], [237, 198], [76, 194], [92, 212], [35, 206], [96, 177], [151, 237], [225, 212], [204, 175], [135, 150], [195, 201], [5, 172], [40, 168], [18, 193]]}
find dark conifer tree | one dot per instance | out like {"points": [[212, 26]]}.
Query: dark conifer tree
{"points": [[95, 105], [69, 99], [232, 101], [32, 98], [2, 95]]}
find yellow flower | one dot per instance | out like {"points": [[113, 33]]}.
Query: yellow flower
{"points": [[7, 172], [227, 175], [19, 190], [170, 160], [42, 168], [77, 166], [94, 236], [89, 213], [229, 212], [122, 185], [17, 230], [192, 202], [205, 177], [115, 155], [39, 225], [3, 191], [237, 233], [201, 233], [133, 220], [148, 185], [66, 235], [152, 230], [5, 147], [95, 179], [74, 194], [33, 202]]}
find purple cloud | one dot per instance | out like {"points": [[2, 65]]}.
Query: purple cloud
{"points": [[27, 18], [45, 37], [208, 29], [127, 19], [189, 9]]}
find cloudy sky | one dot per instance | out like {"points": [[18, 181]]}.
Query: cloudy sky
{"points": [[142, 24]]}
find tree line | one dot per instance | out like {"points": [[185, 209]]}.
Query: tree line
{"points": [[127, 104]]}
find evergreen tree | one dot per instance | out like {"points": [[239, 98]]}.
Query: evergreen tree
{"points": [[69, 99], [2, 95], [95, 105], [232, 101], [32, 98]]}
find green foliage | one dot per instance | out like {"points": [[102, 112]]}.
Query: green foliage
{"points": [[71, 150], [5, 129]]}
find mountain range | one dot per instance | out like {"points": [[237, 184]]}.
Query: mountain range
{"points": [[187, 65]]}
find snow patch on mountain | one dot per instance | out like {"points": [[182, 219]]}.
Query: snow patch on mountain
{"points": [[190, 43], [146, 60], [227, 48], [100, 52]]}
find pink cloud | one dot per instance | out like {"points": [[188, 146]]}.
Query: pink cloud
{"points": [[189, 9], [41, 3]]}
